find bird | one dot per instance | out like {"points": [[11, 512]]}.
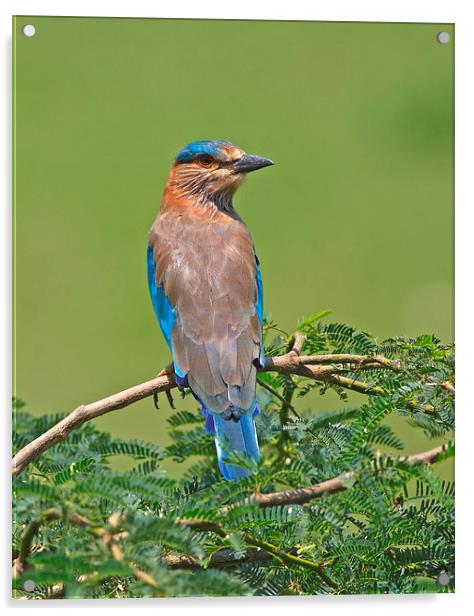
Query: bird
{"points": [[206, 289]]}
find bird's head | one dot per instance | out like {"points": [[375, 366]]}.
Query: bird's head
{"points": [[213, 168]]}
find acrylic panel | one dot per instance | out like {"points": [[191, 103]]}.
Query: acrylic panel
{"points": [[200, 422]]}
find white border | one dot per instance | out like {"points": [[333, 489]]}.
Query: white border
{"points": [[448, 11]]}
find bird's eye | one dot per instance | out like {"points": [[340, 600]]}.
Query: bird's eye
{"points": [[205, 160]]}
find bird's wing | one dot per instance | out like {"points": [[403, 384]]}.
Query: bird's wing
{"points": [[164, 311], [207, 294], [259, 306]]}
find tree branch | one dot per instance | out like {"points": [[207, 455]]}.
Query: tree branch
{"points": [[313, 367], [300, 496], [290, 559], [220, 559], [284, 556], [85, 413], [297, 342], [27, 538]]}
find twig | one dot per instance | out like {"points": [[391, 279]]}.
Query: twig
{"points": [[290, 559], [353, 384], [346, 358], [277, 394], [298, 341], [284, 439]]}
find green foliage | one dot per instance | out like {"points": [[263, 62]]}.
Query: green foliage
{"points": [[83, 529]]}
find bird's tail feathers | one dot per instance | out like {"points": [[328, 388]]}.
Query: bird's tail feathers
{"points": [[230, 436]]}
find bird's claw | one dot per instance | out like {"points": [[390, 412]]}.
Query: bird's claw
{"points": [[168, 395], [166, 371], [170, 399]]}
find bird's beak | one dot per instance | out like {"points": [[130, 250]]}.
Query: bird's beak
{"points": [[249, 162]]}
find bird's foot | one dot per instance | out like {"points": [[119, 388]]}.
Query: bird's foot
{"points": [[166, 371], [232, 414], [168, 396]]}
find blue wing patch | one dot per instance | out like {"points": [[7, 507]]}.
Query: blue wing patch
{"points": [[259, 307], [164, 311]]}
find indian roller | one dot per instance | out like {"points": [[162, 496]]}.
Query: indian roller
{"points": [[206, 290]]}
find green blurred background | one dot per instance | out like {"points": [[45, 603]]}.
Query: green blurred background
{"points": [[356, 215]]}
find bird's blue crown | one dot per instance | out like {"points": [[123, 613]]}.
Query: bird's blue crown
{"points": [[211, 147]]}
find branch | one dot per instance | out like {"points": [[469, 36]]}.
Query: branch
{"points": [[20, 563], [353, 384], [290, 559], [297, 342], [314, 367], [85, 413], [284, 556], [347, 358], [300, 496], [220, 559]]}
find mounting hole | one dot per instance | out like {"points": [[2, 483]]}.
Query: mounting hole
{"points": [[29, 586], [29, 30], [443, 37]]}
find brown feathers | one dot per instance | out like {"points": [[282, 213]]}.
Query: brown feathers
{"points": [[205, 262]]}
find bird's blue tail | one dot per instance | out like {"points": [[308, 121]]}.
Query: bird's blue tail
{"points": [[233, 436]]}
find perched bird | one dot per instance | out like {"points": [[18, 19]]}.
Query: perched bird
{"points": [[206, 291]]}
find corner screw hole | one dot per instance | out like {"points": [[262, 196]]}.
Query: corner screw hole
{"points": [[29, 30], [29, 586], [443, 38]]}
